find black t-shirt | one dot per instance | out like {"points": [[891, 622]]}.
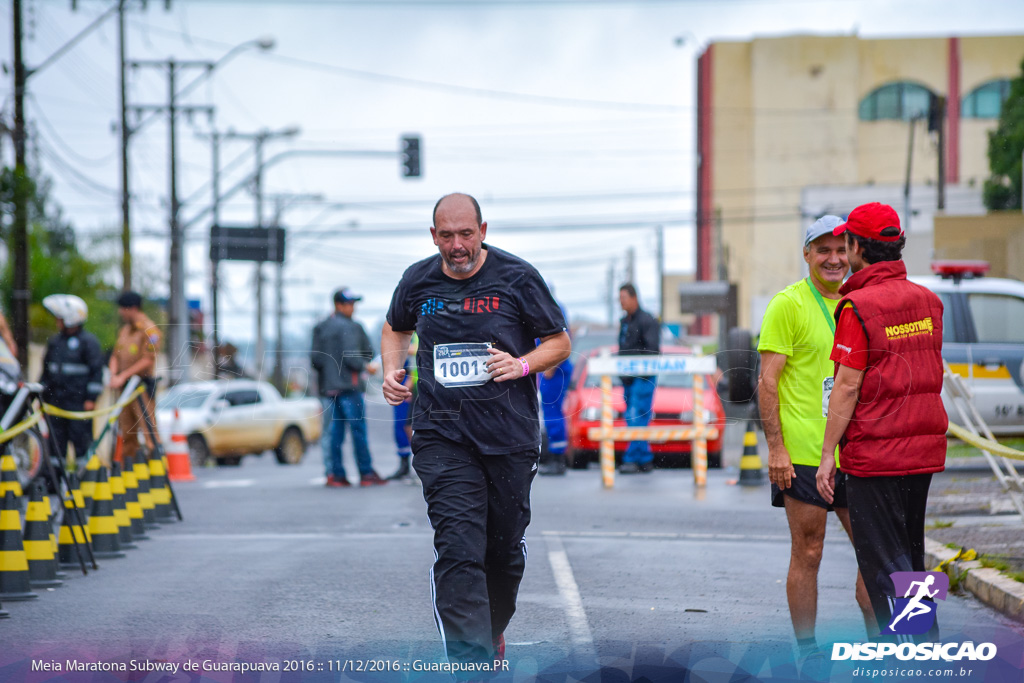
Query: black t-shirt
{"points": [[505, 303]]}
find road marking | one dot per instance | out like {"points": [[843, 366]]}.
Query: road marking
{"points": [[667, 536], [566, 582], [228, 484]]}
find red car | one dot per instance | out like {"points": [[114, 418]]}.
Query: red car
{"points": [[672, 407]]}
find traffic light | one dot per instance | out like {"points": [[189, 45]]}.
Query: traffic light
{"points": [[411, 156]]}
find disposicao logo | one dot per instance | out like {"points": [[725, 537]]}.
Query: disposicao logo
{"points": [[914, 614]]}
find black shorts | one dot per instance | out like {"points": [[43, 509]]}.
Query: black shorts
{"points": [[804, 488]]}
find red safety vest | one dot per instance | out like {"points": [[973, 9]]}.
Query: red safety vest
{"points": [[899, 424]]}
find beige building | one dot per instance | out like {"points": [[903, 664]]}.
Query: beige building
{"points": [[779, 115]]}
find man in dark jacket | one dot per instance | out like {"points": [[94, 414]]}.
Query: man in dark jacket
{"points": [[341, 355], [885, 409], [639, 334], [72, 376]]}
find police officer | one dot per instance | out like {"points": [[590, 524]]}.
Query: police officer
{"points": [[72, 376], [135, 351]]}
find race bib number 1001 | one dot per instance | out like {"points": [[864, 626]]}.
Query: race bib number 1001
{"points": [[461, 365]]}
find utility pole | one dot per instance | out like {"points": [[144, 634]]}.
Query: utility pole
{"points": [[259, 139], [215, 138], [21, 292], [940, 128], [177, 314], [611, 293], [907, 211], [126, 230], [660, 234], [631, 266]]}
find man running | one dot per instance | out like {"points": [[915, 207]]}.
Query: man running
{"points": [[796, 376], [477, 311]]}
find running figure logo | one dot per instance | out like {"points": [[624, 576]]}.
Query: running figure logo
{"points": [[914, 613]]}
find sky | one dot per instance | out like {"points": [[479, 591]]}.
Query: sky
{"points": [[571, 121]]}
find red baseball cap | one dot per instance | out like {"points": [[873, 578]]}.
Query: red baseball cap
{"points": [[869, 220]]}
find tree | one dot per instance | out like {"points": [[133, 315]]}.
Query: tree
{"points": [[56, 266], [1005, 147]]}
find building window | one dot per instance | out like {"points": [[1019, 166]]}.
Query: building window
{"points": [[986, 101], [900, 101]]}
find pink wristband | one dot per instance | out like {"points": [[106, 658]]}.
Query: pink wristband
{"points": [[526, 366]]}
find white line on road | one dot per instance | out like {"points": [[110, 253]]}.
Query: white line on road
{"points": [[228, 484], [663, 535], [566, 582]]}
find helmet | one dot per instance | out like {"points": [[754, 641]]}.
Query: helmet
{"points": [[68, 307]]}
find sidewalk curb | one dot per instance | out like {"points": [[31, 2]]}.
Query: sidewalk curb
{"points": [[988, 585]]}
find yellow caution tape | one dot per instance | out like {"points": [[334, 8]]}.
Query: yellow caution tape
{"points": [[984, 444], [90, 414], [22, 426], [964, 555]]}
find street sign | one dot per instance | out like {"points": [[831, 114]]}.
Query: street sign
{"points": [[233, 243], [640, 366]]}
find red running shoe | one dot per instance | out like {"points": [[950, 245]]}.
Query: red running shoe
{"points": [[499, 647], [333, 482], [371, 479]]}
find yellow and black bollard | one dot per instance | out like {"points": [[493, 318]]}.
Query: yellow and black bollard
{"points": [[751, 469], [159, 489], [39, 549], [9, 477], [72, 545], [106, 542], [14, 581], [145, 495], [124, 523], [132, 505], [90, 476]]}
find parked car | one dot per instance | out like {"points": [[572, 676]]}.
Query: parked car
{"points": [[227, 419], [983, 339], [672, 407]]}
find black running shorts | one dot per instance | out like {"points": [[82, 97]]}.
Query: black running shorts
{"points": [[804, 488]]}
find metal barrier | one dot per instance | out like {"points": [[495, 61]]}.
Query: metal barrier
{"points": [[608, 366]]}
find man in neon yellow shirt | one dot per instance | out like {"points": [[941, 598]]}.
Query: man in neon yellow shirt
{"points": [[796, 379]]}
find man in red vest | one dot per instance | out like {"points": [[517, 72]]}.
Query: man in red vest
{"points": [[885, 411]]}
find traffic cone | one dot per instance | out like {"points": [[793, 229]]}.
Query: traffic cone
{"points": [[124, 523], [159, 489], [70, 532], [14, 582], [9, 476], [77, 499], [51, 525], [89, 478], [751, 472], [106, 543], [134, 509], [145, 496], [179, 466], [42, 562]]}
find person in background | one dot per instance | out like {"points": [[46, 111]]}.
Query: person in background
{"points": [[639, 334], [72, 376]]}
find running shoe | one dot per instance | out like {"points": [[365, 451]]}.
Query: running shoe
{"points": [[371, 478]]}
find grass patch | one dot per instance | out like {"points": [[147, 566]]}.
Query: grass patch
{"points": [[953, 546], [955, 448], [994, 562], [1016, 576], [941, 524]]}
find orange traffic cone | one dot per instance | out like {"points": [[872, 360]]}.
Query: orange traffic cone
{"points": [[179, 468]]}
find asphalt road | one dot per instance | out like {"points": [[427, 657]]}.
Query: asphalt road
{"points": [[649, 578]]}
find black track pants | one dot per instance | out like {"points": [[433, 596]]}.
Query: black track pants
{"points": [[887, 515], [479, 507]]}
